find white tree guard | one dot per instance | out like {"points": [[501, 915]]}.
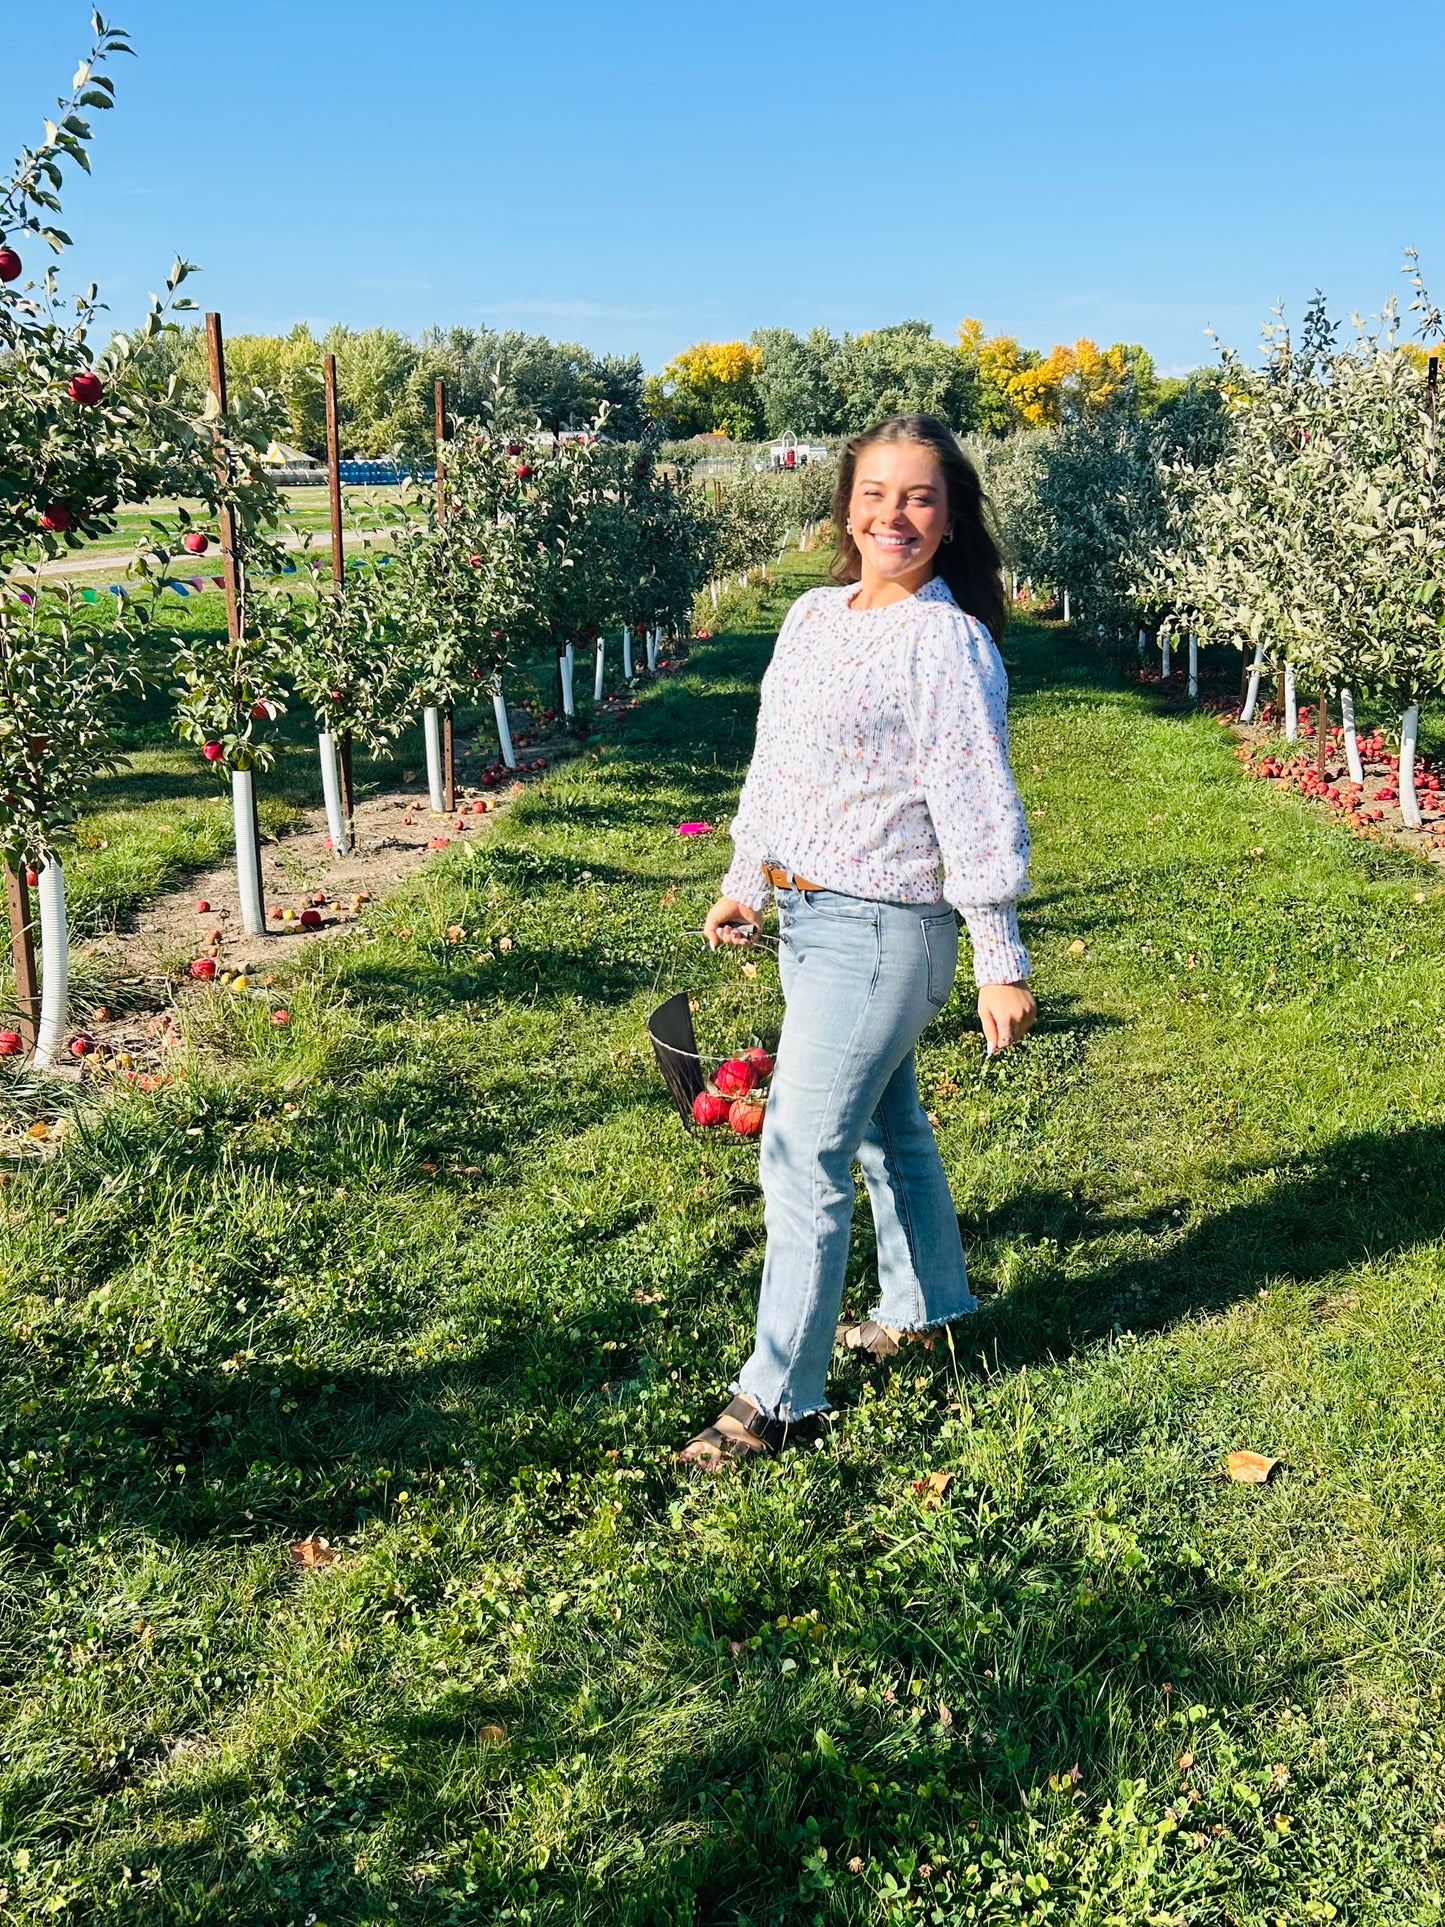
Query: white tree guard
{"points": [[431, 722], [627, 653], [1291, 705], [1409, 740], [1143, 643], [1352, 741], [1193, 665], [1166, 663], [601, 665], [504, 727], [712, 587], [331, 790], [1067, 616], [1251, 697], [652, 651], [54, 965], [248, 852], [566, 664]]}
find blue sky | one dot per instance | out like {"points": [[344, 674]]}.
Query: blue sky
{"points": [[638, 176]]}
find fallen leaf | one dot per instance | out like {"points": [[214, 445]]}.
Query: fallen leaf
{"points": [[455, 933], [945, 1715], [749, 969], [1250, 1468], [930, 1491], [492, 1736], [504, 943], [1078, 947], [313, 1551]]}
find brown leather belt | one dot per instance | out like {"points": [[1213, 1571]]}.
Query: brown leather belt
{"points": [[787, 880]]}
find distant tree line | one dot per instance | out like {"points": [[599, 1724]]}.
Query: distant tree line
{"points": [[825, 384], [818, 384], [387, 379]]}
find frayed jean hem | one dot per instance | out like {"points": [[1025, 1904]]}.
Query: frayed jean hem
{"points": [[783, 1413], [933, 1325]]}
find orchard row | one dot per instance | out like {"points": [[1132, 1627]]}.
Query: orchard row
{"points": [[1291, 511]]}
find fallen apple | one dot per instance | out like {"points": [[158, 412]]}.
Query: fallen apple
{"points": [[280, 1016], [10, 1043], [82, 1046], [310, 919], [204, 967], [202, 906]]}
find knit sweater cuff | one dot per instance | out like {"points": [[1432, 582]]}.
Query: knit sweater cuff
{"points": [[998, 954], [746, 883]]}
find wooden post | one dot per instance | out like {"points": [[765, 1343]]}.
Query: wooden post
{"points": [[338, 573], [449, 743], [1322, 724], [230, 533], [253, 903], [333, 471], [22, 943]]}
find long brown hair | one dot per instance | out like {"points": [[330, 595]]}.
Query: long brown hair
{"points": [[969, 562]]}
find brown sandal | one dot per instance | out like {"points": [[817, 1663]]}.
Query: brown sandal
{"points": [[758, 1436], [877, 1341]]}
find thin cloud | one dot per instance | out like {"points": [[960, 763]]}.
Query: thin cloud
{"points": [[580, 310]]}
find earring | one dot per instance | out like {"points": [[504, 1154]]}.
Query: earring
{"points": [[949, 536], [847, 528]]}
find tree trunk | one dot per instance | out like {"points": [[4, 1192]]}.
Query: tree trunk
{"points": [[22, 948], [1166, 657], [449, 760], [331, 790], [1251, 695], [1322, 730], [1291, 706], [431, 722], [1352, 741], [54, 965], [348, 789], [1194, 666], [504, 728], [1143, 643], [248, 852], [1409, 738]]}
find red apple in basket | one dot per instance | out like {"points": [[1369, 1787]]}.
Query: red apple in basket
{"points": [[761, 1062], [746, 1116], [708, 1108], [735, 1077]]}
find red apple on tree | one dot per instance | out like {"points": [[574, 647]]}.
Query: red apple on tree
{"points": [[213, 752], [11, 266], [57, 518], [195, 541]]}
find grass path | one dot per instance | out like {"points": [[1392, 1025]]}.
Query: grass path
{"points": [[435, 1273]]}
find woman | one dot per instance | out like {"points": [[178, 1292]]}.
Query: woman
{"points": [[879, 803]]}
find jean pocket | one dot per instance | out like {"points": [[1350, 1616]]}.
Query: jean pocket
{"points": [[940, 950]]}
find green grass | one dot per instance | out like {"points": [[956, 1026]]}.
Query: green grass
{"points": [[435, 1273]]}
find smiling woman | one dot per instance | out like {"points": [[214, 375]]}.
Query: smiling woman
{"points": [[878, 806]]}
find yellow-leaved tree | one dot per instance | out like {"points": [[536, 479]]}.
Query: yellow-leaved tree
{"points": [[711, 386]]}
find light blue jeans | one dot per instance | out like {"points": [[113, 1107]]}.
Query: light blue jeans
{"points": [[861, 981]]}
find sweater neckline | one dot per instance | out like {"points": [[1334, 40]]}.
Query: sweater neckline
{"points": [[935, 589]]}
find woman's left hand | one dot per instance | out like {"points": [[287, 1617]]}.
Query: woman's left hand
{"points": [[1007, 1012]]}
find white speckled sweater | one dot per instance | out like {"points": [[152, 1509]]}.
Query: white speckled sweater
{"points": [[881, 767]]}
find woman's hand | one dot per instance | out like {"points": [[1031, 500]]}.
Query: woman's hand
{"points": [[1007, 1012], [729, 921]]}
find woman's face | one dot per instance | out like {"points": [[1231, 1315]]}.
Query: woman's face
{"points": [[899, 512]]}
